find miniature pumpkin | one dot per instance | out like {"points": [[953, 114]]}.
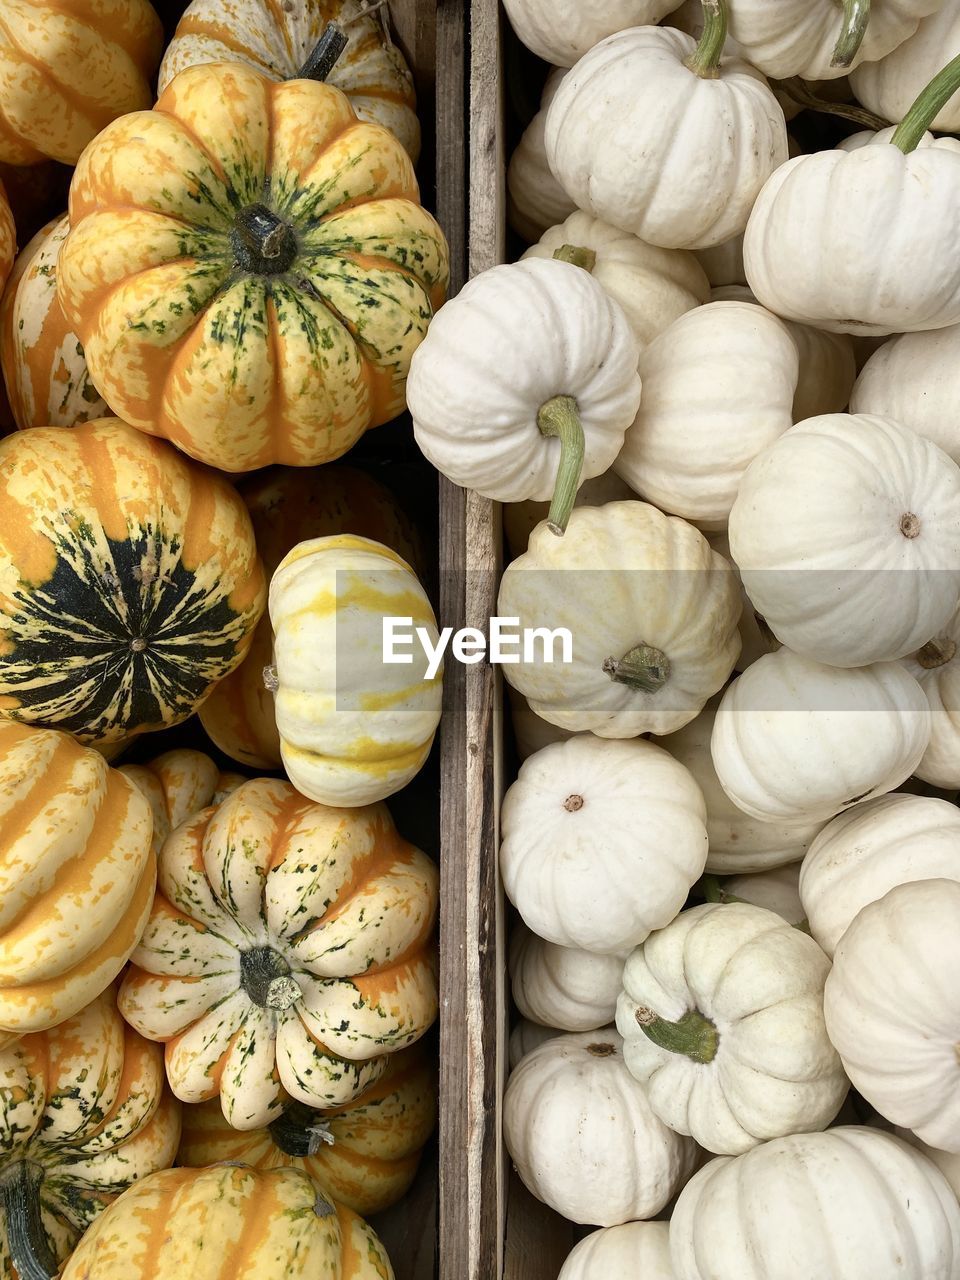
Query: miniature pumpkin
{"points": [[582, 1136], [129, 581], [722, 1020], [208, 1224], [46, 375], [179, 784], [653, 133], [892, 1012], [936, 667], [562, 987], [621, 1253], [777, 890], [364, 1154], [278, 40], [652, 613], [889, 85], [561, 33], [78, 878], [85, 1113], [287, 954], [353, 728], [289, 505], [248, 269], [527, 1036], [68, 70], [535, 199]]}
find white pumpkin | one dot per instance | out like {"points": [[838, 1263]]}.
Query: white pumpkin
{"points": [[737, 841], [723, 263], [628, 1252], [601, 842], [718, 387], [801, 38], [525, 383], [893, 1008], [846, 532], [653, 286], [521, 518], [583, 1138], [722, 1020], [651, 611], [535, 199], [915, 379], [870, 849], [891, 84], [937, 668], [777, 890], [525, 1037], [851, 1202], [563, 987], [867, 137], [650, 134], [561, 31], [756, 638], [797, 740], [948, 1162], [831, 239]]}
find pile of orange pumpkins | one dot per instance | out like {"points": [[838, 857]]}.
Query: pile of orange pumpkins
{"points": [[212, 984]]}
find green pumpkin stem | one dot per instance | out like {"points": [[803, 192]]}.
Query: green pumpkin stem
{"points": [[30, 1250], [712, 889], [325, 54], [643, 668], [929, 102], [560, 417], [693, 1035], [578, 255], [856, 15], [802, 96], [300, 1131], [705, 59]]}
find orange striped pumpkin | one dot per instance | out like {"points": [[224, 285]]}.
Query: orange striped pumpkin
{"points": [[8, 238], [288, 953], [179, 784], [44, 369], [249, 269], [68, 70], [365, 1153], [77, 876], [225, 1223], [85, 1113], [288, 506]]}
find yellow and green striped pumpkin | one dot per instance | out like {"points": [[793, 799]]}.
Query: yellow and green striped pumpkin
{"points": [[249, 269], [228, 1223], [365, 1153], [288, 505], [129, 581]]}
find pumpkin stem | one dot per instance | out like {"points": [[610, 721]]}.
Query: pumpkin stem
{"points": [[263, 244], [856, 15], [298, 1131], [578, 255], [271, 681], [693, 1035], [265, 977], [712, 889], [801, 94], [643, 667], [30, 1250], [936, 653], [560, 417], [705, 59], [325, 54], [927, 106]]}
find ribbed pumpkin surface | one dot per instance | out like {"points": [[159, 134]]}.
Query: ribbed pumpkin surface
{"points": [[68, 69], [249, 271], [8, 237], [85, 1106], [179, 784], [365, 1153], [277, 39], [288, 506], [288, 952], [129, 580], [228, 1223], [44, 369], [77, 875]]}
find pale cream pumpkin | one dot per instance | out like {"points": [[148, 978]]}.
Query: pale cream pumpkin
{"points": [[179, 784], [723, 263], [756, 638], [948, 1162], [893, 1010], [937, 668], [722, 1020], [535, 199], [562, 987], [583, 1138], [888, 85], [797, 740], [562, 31], [654, 633], [867, 851], [527, 1036], [622, 1253], [601, 842], [353, 729], [777, 890]]}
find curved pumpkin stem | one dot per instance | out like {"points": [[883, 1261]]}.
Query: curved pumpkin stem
{"points": [[560, 417], [27, 1241], [927, 106], [705, 59], [856, 15], [300, 1131], [693, 1035], [325, 54]]}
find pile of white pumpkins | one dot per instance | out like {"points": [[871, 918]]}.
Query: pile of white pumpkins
{"points": [[754, 542]]}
